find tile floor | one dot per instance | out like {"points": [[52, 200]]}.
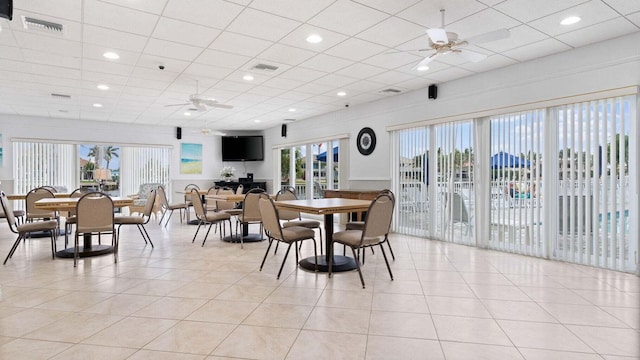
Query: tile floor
{"points": [[183, 301]]}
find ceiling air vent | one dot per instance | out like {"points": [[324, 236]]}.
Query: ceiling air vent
{"points": [[60, 96], [265, 67], [390, 91], [42, 25]]}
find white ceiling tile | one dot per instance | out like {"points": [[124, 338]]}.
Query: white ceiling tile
{"points": [[286, 54], [184, 32], [526, 10], [427, 13], [44, 58], [449, 74], [591, 13], [391, 77], [519, 35], [329, 98], [265, 90], [213, 72], [152, 6], [365, 98], [298, 38], [292, 9], [239, 44], [392, 32], [64, 9], [598, 32], [492, 62], [106, 67], [172, 50], [634, 18], [483, 22], [150, 84], [347, 17], [361, 71], [235, 86], [90, 51], [92, 79], [302, 74], [6, 36], [355, 49], [60, 46], [113, 39], [326, 63], [118, 18], [624, 7], [393, 60], [10, 52], [336, 80], [281, 83], [222, 59], [315, 88], [414, 83], [390, 7], [213, 13], [535, 50], [262, 25]]}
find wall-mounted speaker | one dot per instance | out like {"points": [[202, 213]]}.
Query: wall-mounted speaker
{"points": [[433, 91], [178, 133], [283, 130], [6, 9]]}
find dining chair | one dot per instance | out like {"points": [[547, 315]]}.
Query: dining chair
{"points": [[25, 229], [250, 212], [211, 205], [139, 220], [187, 199], [293, 218], [276, 232], [205, 217], [359, 225], [162, 195], [34, 213], [375, 232], [94, 212], [71, 218]]}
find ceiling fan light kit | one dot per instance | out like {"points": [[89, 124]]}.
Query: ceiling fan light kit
{"points": [[201, 102]]}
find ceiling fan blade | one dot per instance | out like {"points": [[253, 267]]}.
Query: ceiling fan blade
{"points": [[438, 36], [199, 106], [426, 60], [472, 55], [178, 104], [490, 36], [221, 106]]}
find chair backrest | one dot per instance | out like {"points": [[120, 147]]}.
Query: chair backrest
{"points": [[287, 194], [8, 212], [50, 188], [75, 194], [379, 216], [33, 196], [270, 216], [148, 206], [250, 207], [222, 205], [162, 196], [187, 192], [95, 212], [198, 206], [240, 189]]}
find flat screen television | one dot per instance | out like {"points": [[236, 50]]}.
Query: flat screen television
{"points": [[242, 148]]}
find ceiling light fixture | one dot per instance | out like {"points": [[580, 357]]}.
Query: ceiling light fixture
{"points": [[97, 105], [570, 20], [257, 120], [248, 77], [111, 55], [103, 87], [341, 93], [314, 38], [292, 110], [423, 68], [187, 113]]}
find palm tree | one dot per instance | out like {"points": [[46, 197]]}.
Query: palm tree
{"points": [[110, 152], [93, 152]]}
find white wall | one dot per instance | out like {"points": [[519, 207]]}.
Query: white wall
{"points": [[612, 64]]}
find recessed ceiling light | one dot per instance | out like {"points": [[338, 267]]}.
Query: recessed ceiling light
{"points": [[341, 93], [187, 113], [103, 87], [257, 120], [248, 77], [111, 55], [97, 105], [314, 38], [423, 68], [292, 110], [570, 20]]}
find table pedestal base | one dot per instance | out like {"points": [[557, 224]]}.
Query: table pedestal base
{"points": [[340, 263], [94, 250], [247, 238]]}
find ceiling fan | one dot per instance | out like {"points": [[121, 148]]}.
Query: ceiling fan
{"points": [[201, 102], [443, 42], [207, 131]]}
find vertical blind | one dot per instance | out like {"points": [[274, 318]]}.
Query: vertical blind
{"points": [[141, 165], [37, 164]]}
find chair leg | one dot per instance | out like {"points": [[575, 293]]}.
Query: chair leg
{"points": [[76, 250], [391, 250], [330, 252], [164, 212], [169, 218], [358, 266], [283, 260], [207, 234], [141, 233], [315, 251], [196, 234], [13, 248], [266, 253], [386, 261], [275, 250], [145, 232], [114, 240]]}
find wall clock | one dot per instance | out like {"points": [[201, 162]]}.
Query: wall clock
{"points": [[366, 141]]}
